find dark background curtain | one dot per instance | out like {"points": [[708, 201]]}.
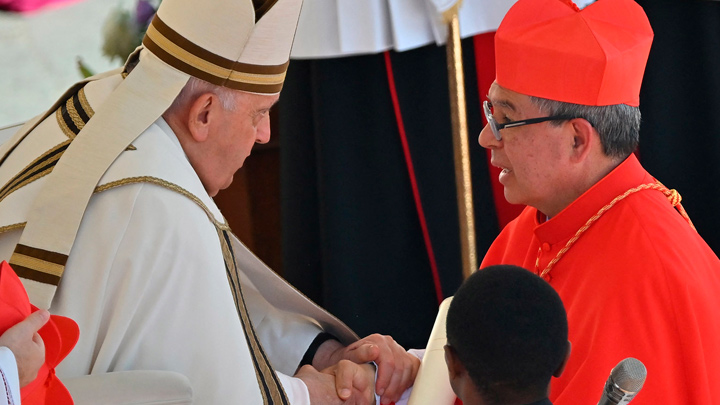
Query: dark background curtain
{"points": [[350, 233], [680, 104]]}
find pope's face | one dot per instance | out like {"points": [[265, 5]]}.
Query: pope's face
{"points": [[233, 137], [532, 157]]}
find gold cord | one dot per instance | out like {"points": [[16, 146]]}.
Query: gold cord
{"points": [[672, 195]]}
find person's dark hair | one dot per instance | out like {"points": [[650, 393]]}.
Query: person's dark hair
{"points": [[618, 125], [509, 329]]}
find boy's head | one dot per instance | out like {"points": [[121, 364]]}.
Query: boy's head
{"points": [[507, 335]]}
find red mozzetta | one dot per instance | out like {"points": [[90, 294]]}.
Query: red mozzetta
{"points": [[639, 282]]}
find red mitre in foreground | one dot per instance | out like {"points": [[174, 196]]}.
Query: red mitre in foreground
{"points": [[553, 50], [60, 335]]}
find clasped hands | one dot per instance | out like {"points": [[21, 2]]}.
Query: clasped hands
{"points": [[345, 377]]}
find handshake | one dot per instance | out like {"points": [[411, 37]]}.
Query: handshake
{"points": [[347, 376]]}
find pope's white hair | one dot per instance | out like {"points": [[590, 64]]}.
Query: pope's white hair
{"points": [[195, 87]]}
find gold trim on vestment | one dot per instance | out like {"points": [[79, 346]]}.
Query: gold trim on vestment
{"points": [[266, 377], [72, 112], [268, 381], [77, 117], [63, 125], [35, 275], [234, 283], [20, 180], [168, 185], [84, 103], [42, 254], [12, 227], [37, 264]]}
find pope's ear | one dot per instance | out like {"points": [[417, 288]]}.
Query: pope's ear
{"points": [[584, 137], [200, 114]]}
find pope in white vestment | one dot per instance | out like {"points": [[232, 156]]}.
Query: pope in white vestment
{"points": [[139, 255], [148, 285]]}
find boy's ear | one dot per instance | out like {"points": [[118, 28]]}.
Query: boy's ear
{"points": [[561, 368], [455, 367]]}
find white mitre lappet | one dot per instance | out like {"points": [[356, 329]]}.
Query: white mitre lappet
{"points": [[239, 44]]}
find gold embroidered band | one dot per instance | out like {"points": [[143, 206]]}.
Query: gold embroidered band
{"points": [[182, 54], [38, 168], [84, 104], [74, 114], [37, 264], [71, 117], [268, 382]]}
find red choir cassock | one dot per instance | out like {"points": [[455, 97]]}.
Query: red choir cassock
{"points": [[635, 277], [638, 282]]}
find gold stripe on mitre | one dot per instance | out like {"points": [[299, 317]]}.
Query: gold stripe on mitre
{"points": [[182, 54]]}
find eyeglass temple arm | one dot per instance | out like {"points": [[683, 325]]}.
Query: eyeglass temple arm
{"points": [[535, 121]]}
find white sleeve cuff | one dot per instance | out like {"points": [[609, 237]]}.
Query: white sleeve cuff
{"points": [[10, 384], [295, 389], [419, 353]]}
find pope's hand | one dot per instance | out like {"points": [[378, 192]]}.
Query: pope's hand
{"points": [[396, 367], [344, 383]]}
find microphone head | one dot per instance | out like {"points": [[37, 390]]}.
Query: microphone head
{"points": [[629, 375]]}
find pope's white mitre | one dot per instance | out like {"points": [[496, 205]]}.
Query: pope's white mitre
{"points": [[243, 45]]}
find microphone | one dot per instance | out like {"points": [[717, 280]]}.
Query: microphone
{"points": [[624, 382]]}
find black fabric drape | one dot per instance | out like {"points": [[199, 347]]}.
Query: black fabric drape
{"points": [[680, 105], [351, 235]]}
